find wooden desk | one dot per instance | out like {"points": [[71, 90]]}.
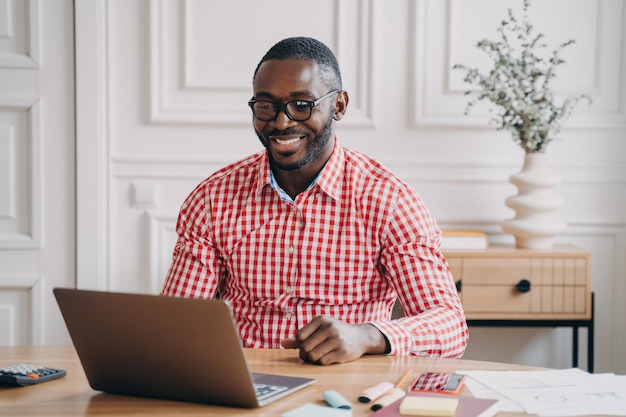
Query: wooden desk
{"points": [[72, 396]]}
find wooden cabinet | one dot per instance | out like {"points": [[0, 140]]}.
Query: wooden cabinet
{"points": [[505, 286], [507, 283]]}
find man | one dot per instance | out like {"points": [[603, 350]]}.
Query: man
{"points": [[311, 243]]}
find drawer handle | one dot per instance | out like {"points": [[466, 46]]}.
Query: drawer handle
{"points": [[523, 286], [458, 286]]}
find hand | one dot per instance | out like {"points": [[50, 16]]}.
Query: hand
{"points": [[326, 340]]}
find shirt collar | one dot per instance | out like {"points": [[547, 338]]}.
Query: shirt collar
{"points": [[263, 178], [330, 178]]}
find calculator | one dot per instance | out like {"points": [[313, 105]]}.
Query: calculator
{"points": [[23, 374]]}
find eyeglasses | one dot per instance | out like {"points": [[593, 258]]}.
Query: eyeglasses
{"points": [[296, 110]]}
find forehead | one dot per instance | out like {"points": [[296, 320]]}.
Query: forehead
{"points": [[288, 77]]}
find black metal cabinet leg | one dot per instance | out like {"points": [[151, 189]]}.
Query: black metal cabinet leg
{"points": [[590, 336], [575, 346]]}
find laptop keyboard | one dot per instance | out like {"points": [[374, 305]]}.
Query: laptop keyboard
{"points": [[264, 390]]}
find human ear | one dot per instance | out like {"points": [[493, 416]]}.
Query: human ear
{"points": [[341, 105]]}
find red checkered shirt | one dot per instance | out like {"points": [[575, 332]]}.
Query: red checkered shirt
{"points": [[347, 247]]}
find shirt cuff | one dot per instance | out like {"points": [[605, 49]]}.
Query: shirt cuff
{"points": [[399, 338]]}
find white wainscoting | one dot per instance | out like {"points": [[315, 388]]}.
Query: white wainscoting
{"points": [[21, 300], [36, 168]]}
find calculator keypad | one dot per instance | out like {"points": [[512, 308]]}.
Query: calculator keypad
{"points": [[25, 374]]}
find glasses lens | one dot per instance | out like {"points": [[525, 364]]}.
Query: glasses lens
{"points": [[299, 110], [264, 110]]}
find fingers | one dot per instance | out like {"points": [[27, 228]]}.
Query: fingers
{"points": [[325, 341], [309, 341], [313, 335], [327, 353], [289, 343]]}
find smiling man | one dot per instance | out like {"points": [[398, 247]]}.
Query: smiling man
{"points": [[311, 243]]}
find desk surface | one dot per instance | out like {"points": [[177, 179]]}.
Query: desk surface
{"points": [[72, 396]]}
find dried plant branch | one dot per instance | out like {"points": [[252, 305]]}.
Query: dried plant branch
{"points": [[519, 83]]}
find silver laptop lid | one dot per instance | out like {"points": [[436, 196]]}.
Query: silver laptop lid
{"points": [[161, 347]]}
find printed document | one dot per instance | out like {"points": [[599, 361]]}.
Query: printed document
{"points": [[553, 393]]}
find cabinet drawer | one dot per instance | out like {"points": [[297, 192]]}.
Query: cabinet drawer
{"points": [[496, 271], [539, 271], [500, 283], [540, 300]]}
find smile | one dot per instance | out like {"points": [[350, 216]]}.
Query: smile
{"points": [[286, 141]]}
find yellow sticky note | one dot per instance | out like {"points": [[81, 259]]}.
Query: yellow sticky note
{"points": [[428, 406]]}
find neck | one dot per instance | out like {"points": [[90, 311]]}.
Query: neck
{"points": [[293, 182]]}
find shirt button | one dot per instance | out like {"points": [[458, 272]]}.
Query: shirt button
{"points": [[291, 250], [288, 316], [288, 289]]}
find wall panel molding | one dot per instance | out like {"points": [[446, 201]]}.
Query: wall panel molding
{"points": [[20, 139], [162, 237], [438, 90], [19, 34], [177, 97], [200, 166], [356, 53], [14, 316]]}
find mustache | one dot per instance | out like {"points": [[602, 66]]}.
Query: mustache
{"points": [[288, 132]]}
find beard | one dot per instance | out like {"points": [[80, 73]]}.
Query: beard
{"points": [[313, 148]]}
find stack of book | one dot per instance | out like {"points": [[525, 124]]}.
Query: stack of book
{"points": [[464, 239]]}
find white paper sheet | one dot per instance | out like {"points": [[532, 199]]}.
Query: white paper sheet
{"points": [[554, 393]]}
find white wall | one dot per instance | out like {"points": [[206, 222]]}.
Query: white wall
{"points": [[37, 216], [162, 88]]}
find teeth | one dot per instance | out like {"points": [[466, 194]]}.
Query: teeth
{"points": [[286, 141]]}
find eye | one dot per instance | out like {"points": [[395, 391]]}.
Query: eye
{"points": [[264, 105]]}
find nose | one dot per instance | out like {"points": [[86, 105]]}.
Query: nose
{"points": [[281, 121]]}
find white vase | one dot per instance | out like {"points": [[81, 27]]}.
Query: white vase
{"points": [[535, 224]]}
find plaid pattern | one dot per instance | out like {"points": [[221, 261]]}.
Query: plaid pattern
{"points": [[351, 244]]}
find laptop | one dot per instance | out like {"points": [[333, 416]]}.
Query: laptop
{"points": [[170, 348]]}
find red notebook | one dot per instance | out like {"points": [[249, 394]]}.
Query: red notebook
{"points": [[468, 406]]}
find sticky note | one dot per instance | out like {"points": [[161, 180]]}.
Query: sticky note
{"points": [[314, 410], [428, 406]]}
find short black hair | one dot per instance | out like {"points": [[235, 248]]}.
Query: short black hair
{"points": [[307, 49]]}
